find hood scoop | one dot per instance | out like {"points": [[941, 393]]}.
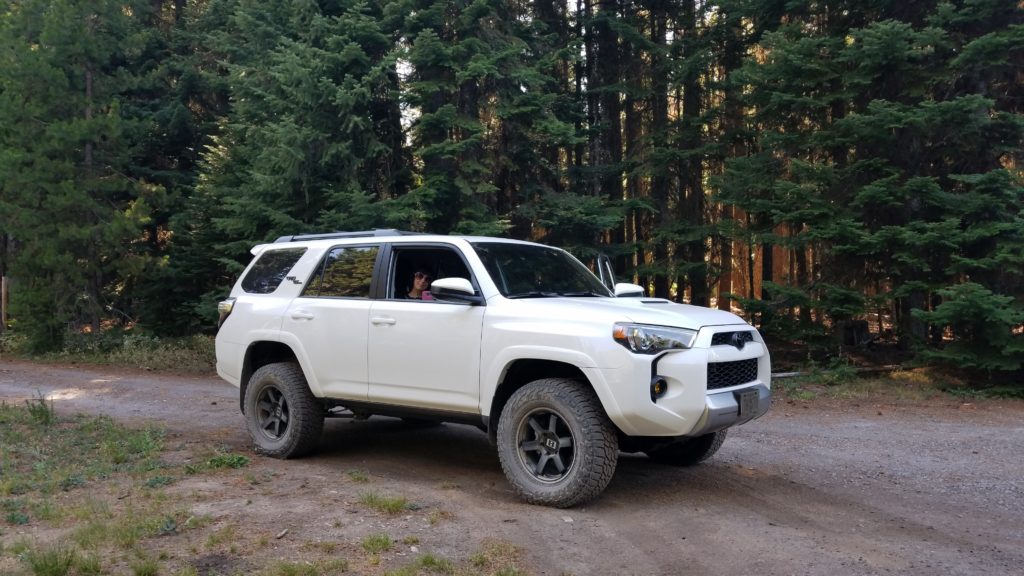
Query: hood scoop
{"points": [[656, 301]]}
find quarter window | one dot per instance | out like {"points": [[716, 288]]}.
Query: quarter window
{"points": [[346, 272], [270, 269]]}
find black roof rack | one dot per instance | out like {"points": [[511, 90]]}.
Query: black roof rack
{"points": [[331, 235]]}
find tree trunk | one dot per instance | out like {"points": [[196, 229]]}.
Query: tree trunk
{"points": [[732, 123], [4, 244], [803, 276], [911, 329], [767, 269], [594, 157], [694, 203], [4, 290], [658, 103]]}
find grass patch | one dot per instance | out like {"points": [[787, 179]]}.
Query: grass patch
{"points": [[358, 476], [428, 563], [217, 462], [41, 412], [52, 561], [435, 564], [95, 479], [386, 504], [145, 567], [323, 568], [159, 481], [436, 516], [17, 518], [227, 461], [377, 543], [45, 455], [912, 385], [88, 565], [222, 536], [497, 558]]}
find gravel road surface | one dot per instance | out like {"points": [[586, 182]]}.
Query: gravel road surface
{"points": [[823, 487]]}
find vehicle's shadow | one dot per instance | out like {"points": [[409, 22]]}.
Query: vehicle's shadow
{"points": [[452, 446], [453, 452]]}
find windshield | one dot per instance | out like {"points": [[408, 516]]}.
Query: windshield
{"points": [[531, 271]]}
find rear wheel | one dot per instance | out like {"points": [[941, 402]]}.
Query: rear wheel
{"points": [[283, 417], [688, 451], [556, 445]]}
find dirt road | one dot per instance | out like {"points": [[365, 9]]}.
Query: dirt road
{"points": [[811, 488]]}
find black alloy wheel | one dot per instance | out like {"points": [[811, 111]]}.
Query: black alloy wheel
{"points": [[272, 412], [546, 446]]}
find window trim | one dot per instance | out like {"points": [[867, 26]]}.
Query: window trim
{"points": [[256, 262], [387, 273], [320, 268]]}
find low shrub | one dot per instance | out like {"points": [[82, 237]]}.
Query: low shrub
{"points": [[187, 354]]}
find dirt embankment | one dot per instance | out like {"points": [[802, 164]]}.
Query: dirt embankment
{"points": [[818, 488]]}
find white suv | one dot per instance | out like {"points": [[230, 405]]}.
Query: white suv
{"points": [[518, 338]]}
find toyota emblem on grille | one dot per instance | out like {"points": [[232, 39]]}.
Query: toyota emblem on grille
{"points": [[737, 340]]}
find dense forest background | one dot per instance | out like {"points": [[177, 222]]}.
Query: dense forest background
{"points": [[846, 173]]}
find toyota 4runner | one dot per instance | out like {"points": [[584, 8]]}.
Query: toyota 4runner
{"points": [[519, 339]]}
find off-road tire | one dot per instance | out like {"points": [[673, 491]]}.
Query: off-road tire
{"points": [[688, 451], [534, 426], [284, 419]]}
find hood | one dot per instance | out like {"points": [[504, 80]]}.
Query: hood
{"points": [[640, 310]]}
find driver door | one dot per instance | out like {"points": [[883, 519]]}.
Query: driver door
{"points": [[424, 353]]}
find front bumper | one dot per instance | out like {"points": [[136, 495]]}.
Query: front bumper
{"points": [[688, 408], [725, 409]]}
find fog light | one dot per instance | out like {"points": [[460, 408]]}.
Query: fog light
{"points": [[658, 388]]}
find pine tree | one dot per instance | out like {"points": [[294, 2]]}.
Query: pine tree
{"points": [[67, 196], [310, 140], [875, 159]]}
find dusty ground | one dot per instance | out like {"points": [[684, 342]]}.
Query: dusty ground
{"points": [[833, 488]]}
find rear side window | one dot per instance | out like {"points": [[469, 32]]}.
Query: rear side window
{"points": [[346, 272], [270, 269]]}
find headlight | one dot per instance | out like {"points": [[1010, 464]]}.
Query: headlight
{"points": [[644, 339]]}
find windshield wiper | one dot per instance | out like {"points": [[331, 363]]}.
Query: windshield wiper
{"points": [[533, 294], [581, 293]]}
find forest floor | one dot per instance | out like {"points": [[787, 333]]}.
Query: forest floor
{"points": [[889, 484]]}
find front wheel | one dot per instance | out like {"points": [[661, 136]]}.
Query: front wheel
{"points": [[688, 451], [283, 417], [556, 445]]}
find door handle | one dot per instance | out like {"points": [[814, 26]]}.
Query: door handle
{"points": [[382, 321], [301, 315]]}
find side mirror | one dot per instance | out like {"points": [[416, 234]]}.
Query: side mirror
{"points": [[454, 290], [627, 290]]}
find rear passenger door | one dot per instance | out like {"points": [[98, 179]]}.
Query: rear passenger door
{"points": [[330, 319]]}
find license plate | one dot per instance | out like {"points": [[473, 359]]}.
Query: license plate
{"points": [[748, 400]]}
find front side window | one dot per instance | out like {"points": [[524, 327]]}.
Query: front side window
{"points": [[533, 271], [415, 267], [270, 269], [346, 272]]}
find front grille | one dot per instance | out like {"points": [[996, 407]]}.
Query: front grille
{"points": [[737, 339], [725, 374]]}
